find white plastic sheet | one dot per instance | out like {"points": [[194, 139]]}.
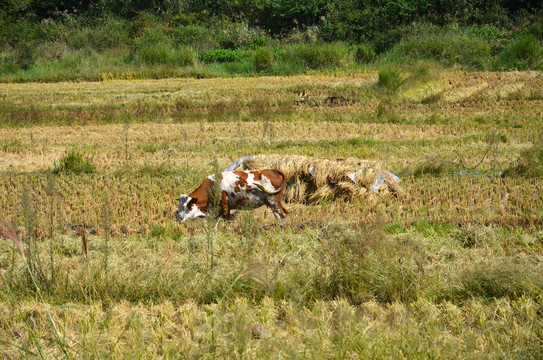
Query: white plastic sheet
{"points": [[238, 163]]}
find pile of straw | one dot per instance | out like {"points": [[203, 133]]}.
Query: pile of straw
{"points": [[311, 180]]}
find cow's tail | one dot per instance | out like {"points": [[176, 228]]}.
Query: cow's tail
{"points": [[267, 191], [273, 192], [283, 176]]}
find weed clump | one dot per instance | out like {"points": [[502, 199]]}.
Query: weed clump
{"points": [[389, 78], [74, 162], [263, 59]]}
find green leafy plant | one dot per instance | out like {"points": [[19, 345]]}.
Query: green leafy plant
{"points": [[74, 162], [221, 55]]}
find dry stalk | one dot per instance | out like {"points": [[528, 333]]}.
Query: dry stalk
{"points": [[83, 233], [9, 232]]}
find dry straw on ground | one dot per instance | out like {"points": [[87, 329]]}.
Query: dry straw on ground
{"points": [[311, 180]]}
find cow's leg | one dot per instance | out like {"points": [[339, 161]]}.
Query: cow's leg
{"points": [[281, 211], [225, 206], [278, 210]]}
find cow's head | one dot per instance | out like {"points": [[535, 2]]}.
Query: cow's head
{"points": [[187, 209]]}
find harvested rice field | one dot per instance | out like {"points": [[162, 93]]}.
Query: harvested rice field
{"points": [[447, 263]]}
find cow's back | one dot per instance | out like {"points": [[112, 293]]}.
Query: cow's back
{"points": [[276, 177]]}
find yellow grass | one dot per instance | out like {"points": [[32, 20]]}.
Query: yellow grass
{"points": [[451, 270]]}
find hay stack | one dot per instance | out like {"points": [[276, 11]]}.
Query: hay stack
{"points": [[312, 180]]}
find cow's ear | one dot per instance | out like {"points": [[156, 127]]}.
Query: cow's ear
{"points": [[191, 202]]}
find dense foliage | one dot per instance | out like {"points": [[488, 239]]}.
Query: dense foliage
{"points": [[89, 37]]}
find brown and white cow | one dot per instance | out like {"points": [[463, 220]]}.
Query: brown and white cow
{"points": [[244, 190]]}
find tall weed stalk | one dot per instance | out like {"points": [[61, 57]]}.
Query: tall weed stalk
{"points": [[106, 225], [52, 193], [35, 264]]}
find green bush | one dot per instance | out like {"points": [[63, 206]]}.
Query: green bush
{"points": [[52, 50], [311, 56], [155, 47], [162, 39], [158, 54], [221, 55], [364, 54], [282, 68], [75, 163], [536, 28], [383, 41], [7, 62], [257, 42], [263, 59], [523, 53], [496, 37], [80, 60], [106, 33], [197, 36], [448, 48], [26, 56], [234, 35]]}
